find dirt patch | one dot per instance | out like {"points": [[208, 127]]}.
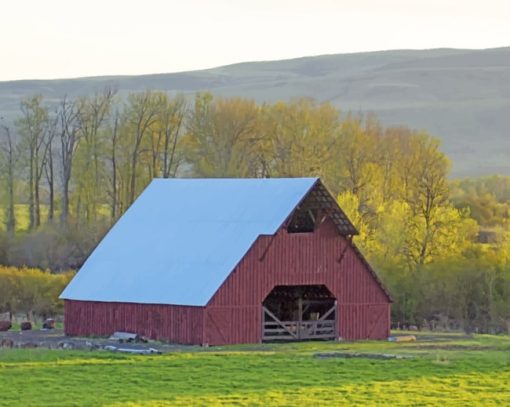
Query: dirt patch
{"points": [[56, 339], [441, 337], [451, 347], [350, 355]]}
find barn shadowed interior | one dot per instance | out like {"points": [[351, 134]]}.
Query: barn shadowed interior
{"points": [[303, 221]]}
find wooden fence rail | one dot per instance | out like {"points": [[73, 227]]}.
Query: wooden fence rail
{"points": [[276, 330]]}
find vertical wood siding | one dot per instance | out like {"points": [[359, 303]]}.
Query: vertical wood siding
{"points": [[234, 313], [177, 324]]}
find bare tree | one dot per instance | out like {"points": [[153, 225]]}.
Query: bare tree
{"points": [[69, 136], [49, 167], [93, 112], [165, 136], [33, 129], [172, 120], [113, 158], [141, 114], [8, 147]]}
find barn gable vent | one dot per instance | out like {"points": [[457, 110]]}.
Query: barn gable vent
{"points": [[302, 221]]}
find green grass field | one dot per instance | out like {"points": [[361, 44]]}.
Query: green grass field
{"points": [[448, 370]]}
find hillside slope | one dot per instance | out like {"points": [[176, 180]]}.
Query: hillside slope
{"points": [[462, 96]]}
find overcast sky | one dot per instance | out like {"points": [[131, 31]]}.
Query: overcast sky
{"points": [[63, 38]]}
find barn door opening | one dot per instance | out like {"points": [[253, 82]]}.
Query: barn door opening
{"points": [[302, 312]]}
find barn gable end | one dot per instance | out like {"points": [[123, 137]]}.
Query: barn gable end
{"points": [[323, 257]]}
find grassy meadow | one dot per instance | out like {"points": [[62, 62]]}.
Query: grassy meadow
{"points": [[446, 370]]}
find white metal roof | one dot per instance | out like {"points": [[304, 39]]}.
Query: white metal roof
{"points": [[181, 239]]}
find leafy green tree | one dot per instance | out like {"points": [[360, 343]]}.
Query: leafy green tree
{"points": [[222, 137], [299, 138]]}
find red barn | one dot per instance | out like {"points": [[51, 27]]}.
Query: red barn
{"points": [[225, 261]]}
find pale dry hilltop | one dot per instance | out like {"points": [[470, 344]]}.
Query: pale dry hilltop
{"points": [[461, 96]]}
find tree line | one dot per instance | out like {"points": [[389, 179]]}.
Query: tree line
{"points": [[70, 169]]}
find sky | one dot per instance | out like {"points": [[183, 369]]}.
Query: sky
{"points": [[72, 38]]}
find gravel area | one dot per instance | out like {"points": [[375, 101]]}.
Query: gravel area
{"points": [[56, 339]]}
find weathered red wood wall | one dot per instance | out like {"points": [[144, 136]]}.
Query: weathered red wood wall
{"points": [[177, 324], [234, 313]]}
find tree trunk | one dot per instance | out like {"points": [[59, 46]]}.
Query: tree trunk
{"points": [[51, 187], [11, 216], [37, 206], [132, 184], [9, 148], [114, 169], [65, 203], [31, 177]]}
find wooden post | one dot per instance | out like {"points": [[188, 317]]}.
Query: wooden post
{"points": [[300, 316], [336, 326], [263, 324]]}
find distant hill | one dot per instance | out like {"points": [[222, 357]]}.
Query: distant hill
{"points": [[461, 96]]}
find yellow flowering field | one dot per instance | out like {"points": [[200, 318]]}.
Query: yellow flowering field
{"points": [[436, 370]]}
